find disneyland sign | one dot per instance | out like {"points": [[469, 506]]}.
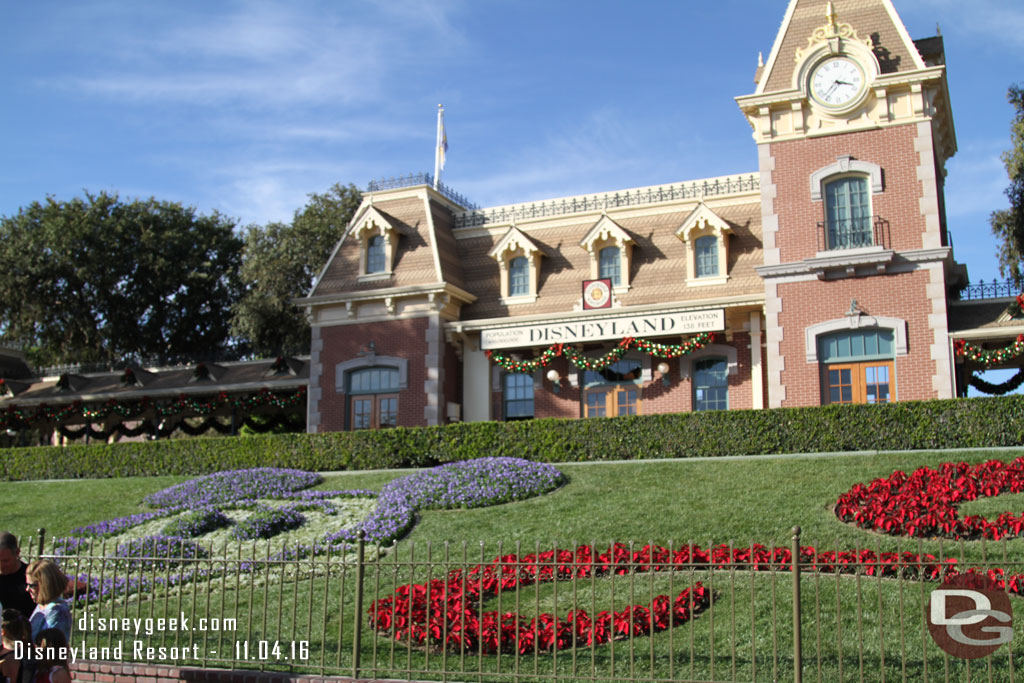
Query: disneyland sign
{"points": [[600, 329]]}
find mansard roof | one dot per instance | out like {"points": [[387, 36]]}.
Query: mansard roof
{"points": [[423, 220], [872, 19], [658, 273]]}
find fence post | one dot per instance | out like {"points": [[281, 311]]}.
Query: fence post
{"points": [[798, 657], [42, 541], [358, 618]]}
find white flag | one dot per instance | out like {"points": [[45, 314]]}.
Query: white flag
{"points": [[442, 147]]}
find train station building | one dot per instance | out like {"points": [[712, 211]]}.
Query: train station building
{"points": [[824, 275]]}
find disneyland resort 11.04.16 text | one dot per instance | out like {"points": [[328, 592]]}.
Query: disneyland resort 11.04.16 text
{"points": [[144, 650]]}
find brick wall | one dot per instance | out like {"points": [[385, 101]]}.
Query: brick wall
{"points": [[901, 295], [400, 338], [566, 403], [899, 202]]}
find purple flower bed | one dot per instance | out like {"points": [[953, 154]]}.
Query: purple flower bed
{"points": [[267, 522], [235, 485], [475, 483], [197, 523], [160, 551], [112, 527], [467, 484]]}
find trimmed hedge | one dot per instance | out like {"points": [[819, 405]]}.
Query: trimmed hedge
{"points": [[958, 423]]}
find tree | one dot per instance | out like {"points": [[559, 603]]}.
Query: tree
{"points": [[1008, 224], [279, 264], [99, 279]]}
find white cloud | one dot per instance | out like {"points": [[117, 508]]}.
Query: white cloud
{"points": [[577, 159], [998, 23], [977, 180], [262, 53]]}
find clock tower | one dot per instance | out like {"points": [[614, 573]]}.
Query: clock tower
{"points": [[853, 126]]}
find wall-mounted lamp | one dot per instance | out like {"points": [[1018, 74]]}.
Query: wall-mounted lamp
{"points": [[663, 368], [555, 379]]}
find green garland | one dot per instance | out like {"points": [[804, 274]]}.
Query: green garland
{"points": [[18, 418], [998, 389], [575, 354], [989, 357]]}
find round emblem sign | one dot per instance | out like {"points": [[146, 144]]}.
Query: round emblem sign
{"points": [[969, 617], [597, 294]]}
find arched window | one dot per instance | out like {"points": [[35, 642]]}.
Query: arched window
{"points": [[706, 258], [519, 276], [857, 366], [373, 397], [609, 265], [711, 384], [848, 213], [518, 396], [375, 255]]}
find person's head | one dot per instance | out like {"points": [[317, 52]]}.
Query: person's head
{"points": [[15, 627], [45, 582], [10, 553], [54, 644]]}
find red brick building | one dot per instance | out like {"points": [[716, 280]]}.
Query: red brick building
{"points": [[826, 274]]}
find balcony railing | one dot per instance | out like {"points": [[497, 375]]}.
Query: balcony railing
{"points": [[854, 233], [996, 289], [420, 179]]}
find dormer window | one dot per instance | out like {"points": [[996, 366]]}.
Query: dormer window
{"points": [[378, 242], [706, 256], [707, 247], [611, 251], [375, 255], [519, 276], [610, 265], [518, 266]]}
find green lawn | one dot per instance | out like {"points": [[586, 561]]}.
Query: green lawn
{"points": [[852, 624], [722, 501]]}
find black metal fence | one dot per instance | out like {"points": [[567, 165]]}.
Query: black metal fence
{"points": [[479, 612]]}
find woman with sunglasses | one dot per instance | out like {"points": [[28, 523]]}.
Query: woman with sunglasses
{"points": [[45, 583]]}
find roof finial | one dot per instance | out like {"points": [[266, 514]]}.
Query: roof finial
{"points": [[760, 59]]}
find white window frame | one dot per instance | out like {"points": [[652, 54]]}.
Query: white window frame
{"points": [[703, 222], [512, 245], [607, 233], [371, 224]]}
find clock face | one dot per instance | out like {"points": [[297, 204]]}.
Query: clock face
{"points": [[836, 82]]}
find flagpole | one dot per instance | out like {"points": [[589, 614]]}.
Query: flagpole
{"points": [[439, 148]]}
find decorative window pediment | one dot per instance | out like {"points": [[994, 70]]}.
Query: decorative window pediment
{"points": [[519, 265], [846, 165], [600, 242], [378, 244], [706, 236]]}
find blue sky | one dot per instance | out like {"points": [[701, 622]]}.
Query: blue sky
{"points": [[244, 108]]}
